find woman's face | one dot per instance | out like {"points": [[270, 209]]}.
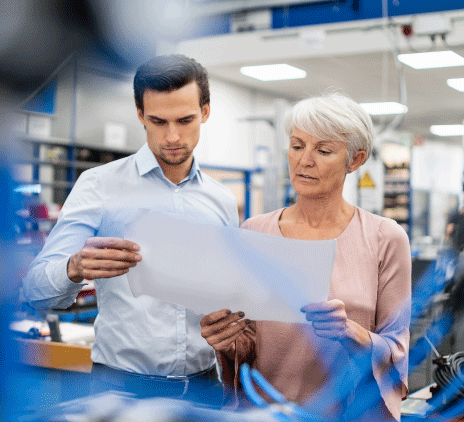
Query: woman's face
{"points": [[317, 168]]}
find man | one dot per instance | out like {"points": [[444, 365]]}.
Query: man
{"points": [[141, 345]]}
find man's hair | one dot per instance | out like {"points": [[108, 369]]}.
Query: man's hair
{"points": [[169, 73]]}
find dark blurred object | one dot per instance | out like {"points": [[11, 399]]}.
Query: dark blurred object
{"points": [[54, 325], [454, 232], [38, 35]]}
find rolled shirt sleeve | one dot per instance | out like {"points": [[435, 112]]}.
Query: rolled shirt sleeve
{"points": [[47, 284]]}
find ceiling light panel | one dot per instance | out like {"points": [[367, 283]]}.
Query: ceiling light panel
{"points": [[432, 59], [456, 83], [273, 72], [447, 130], [381, 109]]}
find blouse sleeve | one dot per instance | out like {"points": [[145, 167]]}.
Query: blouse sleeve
{"points": [[390, 339], [245, 352]]}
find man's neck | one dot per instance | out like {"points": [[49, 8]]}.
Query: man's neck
{"points": [[175, 173]]}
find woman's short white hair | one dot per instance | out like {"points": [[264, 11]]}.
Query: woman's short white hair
{"points": [[333, 117]]}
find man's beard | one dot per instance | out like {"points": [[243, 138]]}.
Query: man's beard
{"points": [[176, 160]]}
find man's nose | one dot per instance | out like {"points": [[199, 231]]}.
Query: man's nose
{"points": [[173, 133]]}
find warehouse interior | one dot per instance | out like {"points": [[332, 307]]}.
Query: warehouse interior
{"points": [[68, 105]]}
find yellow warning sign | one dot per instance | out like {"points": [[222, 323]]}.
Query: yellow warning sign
{"points": [[366, 181]]}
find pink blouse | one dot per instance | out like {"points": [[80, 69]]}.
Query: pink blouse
{"points": [[372, 276]]}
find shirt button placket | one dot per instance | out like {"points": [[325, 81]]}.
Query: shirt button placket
{"points": [[181, 340], [178, 203]]}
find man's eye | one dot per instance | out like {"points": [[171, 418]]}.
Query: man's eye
{"points": [[185, 122], [158, 122]]}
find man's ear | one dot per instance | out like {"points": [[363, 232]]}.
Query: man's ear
{"points": [[358, 159], [205, 110], [140, 116]]}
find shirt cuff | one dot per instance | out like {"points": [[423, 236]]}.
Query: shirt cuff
{"points": [[57, 274]]}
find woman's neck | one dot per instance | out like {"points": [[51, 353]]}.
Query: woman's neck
{"points": [[316, 219], [321, 212]]}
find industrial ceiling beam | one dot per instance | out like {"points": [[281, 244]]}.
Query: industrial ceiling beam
{"points": [[225, 7]]}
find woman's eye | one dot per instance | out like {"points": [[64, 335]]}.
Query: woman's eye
{"points": [[323, 152], [296, 147]]}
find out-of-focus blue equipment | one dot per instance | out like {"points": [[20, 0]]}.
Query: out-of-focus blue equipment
{"points": [[281, 409]]}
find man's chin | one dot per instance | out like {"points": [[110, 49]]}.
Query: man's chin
{"points": [[175, 161]]}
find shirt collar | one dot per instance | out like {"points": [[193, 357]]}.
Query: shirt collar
{"points": [[146, 162]]}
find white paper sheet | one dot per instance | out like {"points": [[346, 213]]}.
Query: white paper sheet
{"points": [[206, 267]]}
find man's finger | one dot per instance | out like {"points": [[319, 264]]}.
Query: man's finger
{"points": [[112, 243], [98, 264], [110, 254], [93, 274]]}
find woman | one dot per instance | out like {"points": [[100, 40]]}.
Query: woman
{"points": [[351, 360]]}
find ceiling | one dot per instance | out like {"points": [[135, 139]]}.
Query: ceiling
{"points": [[370, 77], [356, 58]]}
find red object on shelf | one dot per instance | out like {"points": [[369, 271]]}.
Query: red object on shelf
{"points": [[38, 212]]}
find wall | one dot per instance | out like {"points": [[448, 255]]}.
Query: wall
{"points": [[227, 138], [437, 171], [102, 97]]}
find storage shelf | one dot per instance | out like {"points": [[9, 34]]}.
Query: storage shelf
{"points": [[60, 163], [57, 184], [397, 194], [66, 161]]}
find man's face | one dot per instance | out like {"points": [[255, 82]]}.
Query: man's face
{"points": [[172, 120]]}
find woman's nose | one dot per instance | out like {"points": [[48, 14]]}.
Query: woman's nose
{"points": [[307, 158]]}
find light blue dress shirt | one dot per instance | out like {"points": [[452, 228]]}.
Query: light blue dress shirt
{"points": [[142, 335]]}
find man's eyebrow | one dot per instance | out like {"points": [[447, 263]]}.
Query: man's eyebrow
{"points": [[156, 118], [153, 117], [190, 116]]}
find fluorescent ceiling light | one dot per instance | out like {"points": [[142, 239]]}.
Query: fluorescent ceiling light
{"points": [[456, 83], [378, 109], [29, 189], [447, 130], [273, 72], [432, 60]]}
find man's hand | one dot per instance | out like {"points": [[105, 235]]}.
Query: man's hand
{"points": [[103, 257], [220, 329], [330, 321]]}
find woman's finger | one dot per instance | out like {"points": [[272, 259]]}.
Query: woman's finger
{"points": [[228, 332], [225, 344], [208, 329]]}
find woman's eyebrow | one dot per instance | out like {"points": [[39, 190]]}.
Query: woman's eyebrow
{"points": [[295, 138]]}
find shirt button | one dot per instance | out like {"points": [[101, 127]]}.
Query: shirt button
{"points": [[177, 190], [182, 315], [181, 348]]}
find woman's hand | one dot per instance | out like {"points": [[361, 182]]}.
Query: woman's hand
{"points": [[330, 321], [220, 329]]}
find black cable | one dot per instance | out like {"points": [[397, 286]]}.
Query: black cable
{"points": [[449, 371]]}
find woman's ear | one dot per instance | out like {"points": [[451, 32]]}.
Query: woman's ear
{"points": [[358, 159]]}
